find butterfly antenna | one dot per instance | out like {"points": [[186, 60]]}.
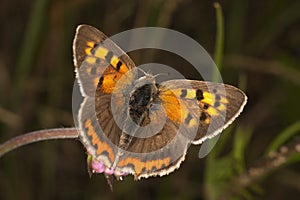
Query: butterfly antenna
{"points": [[145, 73], [161, 74], [110, 181]]}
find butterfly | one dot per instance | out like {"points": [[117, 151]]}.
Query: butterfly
{"points": [[130, 123]]}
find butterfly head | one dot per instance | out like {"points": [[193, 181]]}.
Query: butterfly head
{"points": [[147, 79]]}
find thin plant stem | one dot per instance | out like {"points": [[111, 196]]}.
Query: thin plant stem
{"points": [[219, 50], [219, 46], [30, 42], [36, 136], [285, 135]]}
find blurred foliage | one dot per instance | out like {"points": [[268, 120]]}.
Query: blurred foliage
{"points": [[261, 56]]}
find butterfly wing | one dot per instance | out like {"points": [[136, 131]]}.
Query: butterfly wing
{"points": [[98, 60], [99, 65], [208, 106]]}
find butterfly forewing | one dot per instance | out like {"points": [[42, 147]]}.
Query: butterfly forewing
{"points": [[209, 106], [86, 38], [98, 61]]}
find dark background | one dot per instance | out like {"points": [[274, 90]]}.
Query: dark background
{"points": [[262, 51]]}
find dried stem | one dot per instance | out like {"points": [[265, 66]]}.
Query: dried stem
{"points": [[263, 168], [48, 134]]}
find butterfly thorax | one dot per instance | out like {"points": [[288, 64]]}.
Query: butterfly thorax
{"points": [[140, 102]]}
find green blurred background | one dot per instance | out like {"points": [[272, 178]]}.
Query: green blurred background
{"points": [[261, 56]]}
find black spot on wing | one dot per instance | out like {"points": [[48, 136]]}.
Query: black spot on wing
{"points": [[203, 116], [216, 104], [119, 64], [93, 71], [108, 56], [205, 106], [100, 81], [199, 95], [93, 51], [183, 93], [98, 61], [188, 119]]}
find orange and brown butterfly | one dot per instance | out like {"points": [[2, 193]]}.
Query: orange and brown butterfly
{"points": [[120, 111]]}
